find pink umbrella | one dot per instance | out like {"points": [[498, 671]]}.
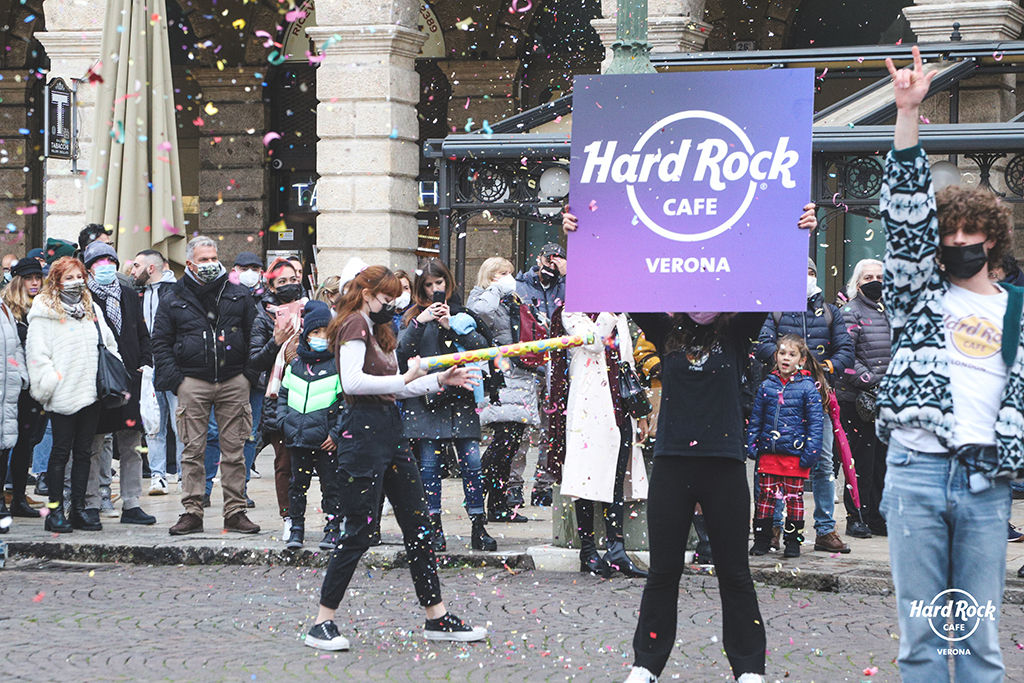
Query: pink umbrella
{"points": [[843, 445]]}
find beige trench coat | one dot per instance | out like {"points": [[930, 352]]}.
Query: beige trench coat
{"points": [[592, 438]]}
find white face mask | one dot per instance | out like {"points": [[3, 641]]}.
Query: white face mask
{"points": [[507, 283], [249, 278], [402, 302], [812, 285]]}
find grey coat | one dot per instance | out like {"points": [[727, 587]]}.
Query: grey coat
{"points": [[869, 329], [517, 400], [13, 378]]}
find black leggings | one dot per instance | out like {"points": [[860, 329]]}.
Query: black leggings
{"points": [[719, 484], [72, 438], [375, 460], [326, 464], [497, 460], [869, 460], [31, 425]]}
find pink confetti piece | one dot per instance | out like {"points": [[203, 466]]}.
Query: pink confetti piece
{"points": [[314, 59], [522, 10], [39, 596], [822, 76], [924, 119], [871, 671], [295, 15], [26, 210], [860, 60], [270, 137], [169, 227], [593, 205], [998, 56], [269, 42], [165, 146]]}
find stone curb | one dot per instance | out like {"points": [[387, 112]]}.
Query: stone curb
{"points": [[871, 579]]}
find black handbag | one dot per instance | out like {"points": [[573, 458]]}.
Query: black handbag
{"points": [[633, 395], [112, 381], [865, 405]]}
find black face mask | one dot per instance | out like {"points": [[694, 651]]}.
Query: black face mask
{"points": [[964, 262], [288, 293], [382, 316], [872, 290], [548, 274]]}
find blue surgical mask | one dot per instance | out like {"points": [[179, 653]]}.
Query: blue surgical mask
{"points": [[105, 274], [317, 344]]}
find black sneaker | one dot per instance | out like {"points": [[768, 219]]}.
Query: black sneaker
{"points": [[514, 497], [325, 636], [206, 500], [857, 529], [136, 516], [450, 627], [332, 539], [541, 499]]}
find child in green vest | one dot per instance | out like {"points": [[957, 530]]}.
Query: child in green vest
{"points": [[309, 407]]}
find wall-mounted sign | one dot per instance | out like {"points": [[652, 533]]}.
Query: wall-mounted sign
{"points": [[58, 123], [305, 195]]}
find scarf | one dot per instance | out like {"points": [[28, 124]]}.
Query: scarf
{"points": [[72, 306], [110, 296], [207, 293]]}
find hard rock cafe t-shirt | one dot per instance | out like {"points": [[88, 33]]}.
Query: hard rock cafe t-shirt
{"points": [[977, 372]]}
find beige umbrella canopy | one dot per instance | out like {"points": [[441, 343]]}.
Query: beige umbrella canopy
{"points": [[135, 178]]}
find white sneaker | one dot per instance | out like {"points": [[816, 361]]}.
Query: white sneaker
{"points": [[750, 678], [172, 478], [254, 474], [158, 487], [389, 509], [287, 527], [641, 675], [107, 509]]}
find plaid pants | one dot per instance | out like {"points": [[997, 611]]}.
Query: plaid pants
{"points": [[773, 487]]}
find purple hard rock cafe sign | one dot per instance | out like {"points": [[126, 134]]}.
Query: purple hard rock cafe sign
{"points": [[688, 188]]}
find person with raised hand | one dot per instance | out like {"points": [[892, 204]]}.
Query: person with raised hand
{"points": [[951, 404]]}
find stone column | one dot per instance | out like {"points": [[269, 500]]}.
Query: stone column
{"points": [[672, 26], [367, 155], [233, 179], [72, 41]]}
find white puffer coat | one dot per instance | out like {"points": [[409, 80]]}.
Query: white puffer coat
{"points": [[13, 378], [63, 357]]}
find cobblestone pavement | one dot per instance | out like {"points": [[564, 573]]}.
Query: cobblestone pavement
{"points": [[63, 622]]}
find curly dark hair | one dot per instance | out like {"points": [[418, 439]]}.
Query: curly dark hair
{"points": [[976, 211]]}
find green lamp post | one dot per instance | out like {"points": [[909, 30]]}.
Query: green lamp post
{"points": [[630, 51]]}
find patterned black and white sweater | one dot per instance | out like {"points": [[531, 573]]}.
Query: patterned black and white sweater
{"points": [[915, 391]]}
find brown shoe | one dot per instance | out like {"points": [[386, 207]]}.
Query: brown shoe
{"points": [[240, 523], [831, 543], [776, 538], [188, 523]]}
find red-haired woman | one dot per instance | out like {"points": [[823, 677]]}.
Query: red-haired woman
{"points": [[374, 456], [64, 329]]}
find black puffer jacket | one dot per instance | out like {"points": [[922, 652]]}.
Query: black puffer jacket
{"points": [[452, 413], [310, 402], [133, 344], [826, 342], [188, 343], [869, 330], [263, 352]]}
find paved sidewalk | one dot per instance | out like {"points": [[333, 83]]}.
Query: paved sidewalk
{"points": [[520, 546]]}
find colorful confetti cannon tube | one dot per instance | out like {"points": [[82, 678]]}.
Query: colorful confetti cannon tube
{"points": [[520, 349]]}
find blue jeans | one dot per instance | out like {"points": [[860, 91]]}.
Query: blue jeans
{"points": [[157, 443], [942, 536], [249, 450], [212, 460], [468, 451], [823, 485], [41, 453]]}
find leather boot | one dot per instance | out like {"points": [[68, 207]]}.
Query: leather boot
{"points": [[590, 561], [792, 536], [83, 518], [56, 522], [702, 555], [21, 508], [479, 540], [296, 535], [762, 536], [617, 559], [437, 542]]}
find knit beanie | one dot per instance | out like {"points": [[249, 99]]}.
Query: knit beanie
{"points": [[315, 314]]}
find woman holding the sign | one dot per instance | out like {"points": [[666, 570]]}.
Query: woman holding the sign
{"points": [[698, 458]]}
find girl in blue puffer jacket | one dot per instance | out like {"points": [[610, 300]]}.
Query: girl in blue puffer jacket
{"points": [[784, 433]]}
